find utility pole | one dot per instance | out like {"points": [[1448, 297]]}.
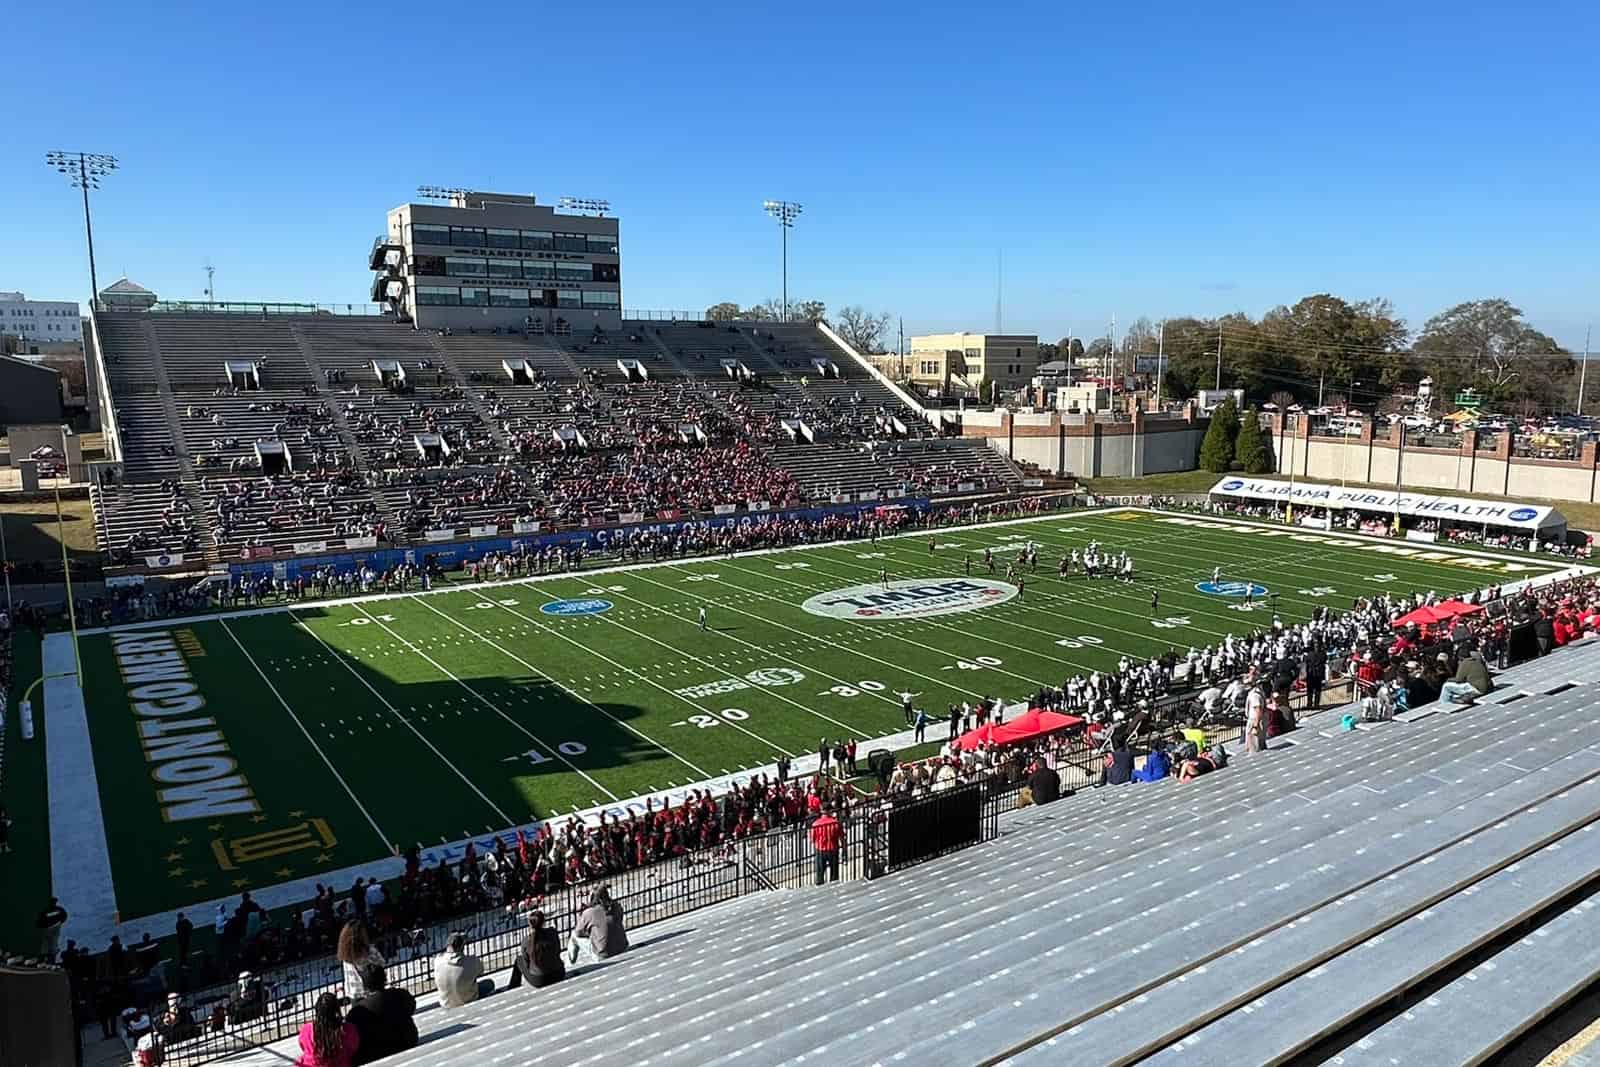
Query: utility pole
{"points": [[1583, 371], [1111, 353], [1161, 350], [900, 346], [1219, 354]]}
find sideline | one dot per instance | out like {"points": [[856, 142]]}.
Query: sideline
{"points": [[80, 860], [1558, 569], [534, 579]]}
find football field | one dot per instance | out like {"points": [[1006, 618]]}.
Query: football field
{"points": [[280, 747]]}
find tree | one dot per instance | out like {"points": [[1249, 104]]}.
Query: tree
{"points": [[807, 311], [726, 311], [1486, 344], [862, 329], [1098, 351], [1074, 348], [771, 310], [1216, 451], [1253, 449], [1139, 339]]}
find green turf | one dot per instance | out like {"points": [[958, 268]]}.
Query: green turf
{"points": [[25, 871], [376, 725]]}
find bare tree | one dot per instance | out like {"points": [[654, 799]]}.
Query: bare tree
{"points": [[861, 328]]}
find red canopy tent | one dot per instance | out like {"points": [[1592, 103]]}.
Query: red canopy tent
{"points": [[1430, 617], [1030, 724], [1425, 616]]}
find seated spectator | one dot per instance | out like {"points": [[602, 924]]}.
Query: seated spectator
{"points": [[1156, 766], [355, 949], [1044, 783], [327, 1040], [248, 1001], [177, 1022], [1119, 765], [135, 1023], [1215, 759], [538, 961], [383, 1018], [458, 975], [599, 929], [1470, 682]]}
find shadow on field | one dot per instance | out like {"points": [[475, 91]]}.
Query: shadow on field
{"points": [[516, 728]]}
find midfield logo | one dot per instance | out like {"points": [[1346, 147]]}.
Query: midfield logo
{"points": [[915, 599]]}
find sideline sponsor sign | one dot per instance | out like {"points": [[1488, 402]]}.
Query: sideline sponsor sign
{"points": [[1455, 508], [910, 599]]}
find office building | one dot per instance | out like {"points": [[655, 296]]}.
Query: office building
{"points": [[41, 325]]}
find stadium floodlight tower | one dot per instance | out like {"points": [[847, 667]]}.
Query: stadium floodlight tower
{"points": [[84, 171], [451, 195], [584, 205], [785, 212]]}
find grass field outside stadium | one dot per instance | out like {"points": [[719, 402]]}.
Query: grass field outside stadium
{"points": [[280, 747]]}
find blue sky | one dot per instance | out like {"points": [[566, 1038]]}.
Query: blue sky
{"points": [[1156, 159]]}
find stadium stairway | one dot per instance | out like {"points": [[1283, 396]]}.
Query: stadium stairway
{"points": [[1270, 903], [473, 395]]}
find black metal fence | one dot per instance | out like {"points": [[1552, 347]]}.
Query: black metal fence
{"points": [[877, 838]]}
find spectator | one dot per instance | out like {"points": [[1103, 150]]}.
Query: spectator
{"points": [[355, 949], [825, 836], [248, 1001], [327, 1040], [458, 975], [539, 961], [177, 1022], [1156, 766], [1044, 784], [1470, 682], [1119, 764], [50, 922], [1544, 632], [599, 928], [1255, 720], [383, 1018], [185, 931]]}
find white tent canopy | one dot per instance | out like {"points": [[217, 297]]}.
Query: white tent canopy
{"points": [[1526, 517]]}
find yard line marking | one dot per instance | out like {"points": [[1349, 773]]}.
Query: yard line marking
{"points": [[573, 692], [736, 660], [409, 725], [491, 705], [835, 645], [329, 763], [792, 644], [648, 681]]}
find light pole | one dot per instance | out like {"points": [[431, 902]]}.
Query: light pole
{"points": [[84, 171], [785, 212], [1344, 432]]}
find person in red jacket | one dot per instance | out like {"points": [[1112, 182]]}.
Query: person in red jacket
{"points": [[826, 834]]}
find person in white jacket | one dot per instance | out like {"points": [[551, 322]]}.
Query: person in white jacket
{"points": [[458, 974]]}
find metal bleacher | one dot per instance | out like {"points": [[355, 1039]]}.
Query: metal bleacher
{"points": [[1260, 915]]}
